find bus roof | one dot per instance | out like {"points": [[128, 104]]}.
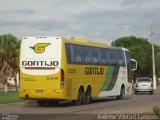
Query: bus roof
{"points": [[85, 42], [80, 41], [89, 42]]}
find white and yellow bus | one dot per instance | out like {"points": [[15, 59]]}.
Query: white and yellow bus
{"points": [[55, 68]]}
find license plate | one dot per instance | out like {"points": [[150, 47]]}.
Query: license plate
{"points": [[144, 85], [39, 91]]}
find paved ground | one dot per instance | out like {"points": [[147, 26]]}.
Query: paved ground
{"points": [[140, 103]]}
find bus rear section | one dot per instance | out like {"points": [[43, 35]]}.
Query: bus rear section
{"points": [[41, 75]]}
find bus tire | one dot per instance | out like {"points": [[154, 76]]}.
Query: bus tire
{"points": [[88, 96], [80, 99], [41, 103], [122, 92]]}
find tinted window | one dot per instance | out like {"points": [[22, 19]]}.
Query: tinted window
{"points": [[120, 58], [112, 56], [128, 58], [70, 53], [78, 54], [87, 55], [96, 55], [144, 80], [104, 56]]}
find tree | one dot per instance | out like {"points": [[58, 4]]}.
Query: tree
{"points": [[157, 59], [9, 51], [140, 50]]}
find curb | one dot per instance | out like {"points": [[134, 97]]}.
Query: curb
{"points": [[6, 104]]}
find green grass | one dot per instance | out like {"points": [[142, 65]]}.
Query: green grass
{"points": [[9, 97], [156, 110]]}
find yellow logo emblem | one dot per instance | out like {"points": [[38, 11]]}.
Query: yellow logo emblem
{"points": [[40, 47]]}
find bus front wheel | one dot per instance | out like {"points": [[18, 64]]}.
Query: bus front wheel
{"points": [[122, 92]]}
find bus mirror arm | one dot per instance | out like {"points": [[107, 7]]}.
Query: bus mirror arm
{"points": [[134, 64]]}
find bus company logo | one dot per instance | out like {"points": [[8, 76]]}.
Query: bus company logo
{"points": [[40, 47]]}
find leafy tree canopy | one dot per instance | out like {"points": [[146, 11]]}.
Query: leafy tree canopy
{"points": [[141, 50], [9, 52]]}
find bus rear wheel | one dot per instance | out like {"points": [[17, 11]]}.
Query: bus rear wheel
{"points": [[80, 99], [88, 96]]}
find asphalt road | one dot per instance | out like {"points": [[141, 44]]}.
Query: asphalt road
{"points": [[141, 103]]}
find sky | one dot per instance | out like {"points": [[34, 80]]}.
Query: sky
{"points": [[97, 20]]}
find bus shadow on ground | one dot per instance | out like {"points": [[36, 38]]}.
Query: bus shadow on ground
{"points": [[70, 104]]}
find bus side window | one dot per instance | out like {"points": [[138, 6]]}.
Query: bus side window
{"points": [[70, 53], [96, 55], [104, 57], [87, 55], [79, 54], [120, 58], [112, 57]]}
